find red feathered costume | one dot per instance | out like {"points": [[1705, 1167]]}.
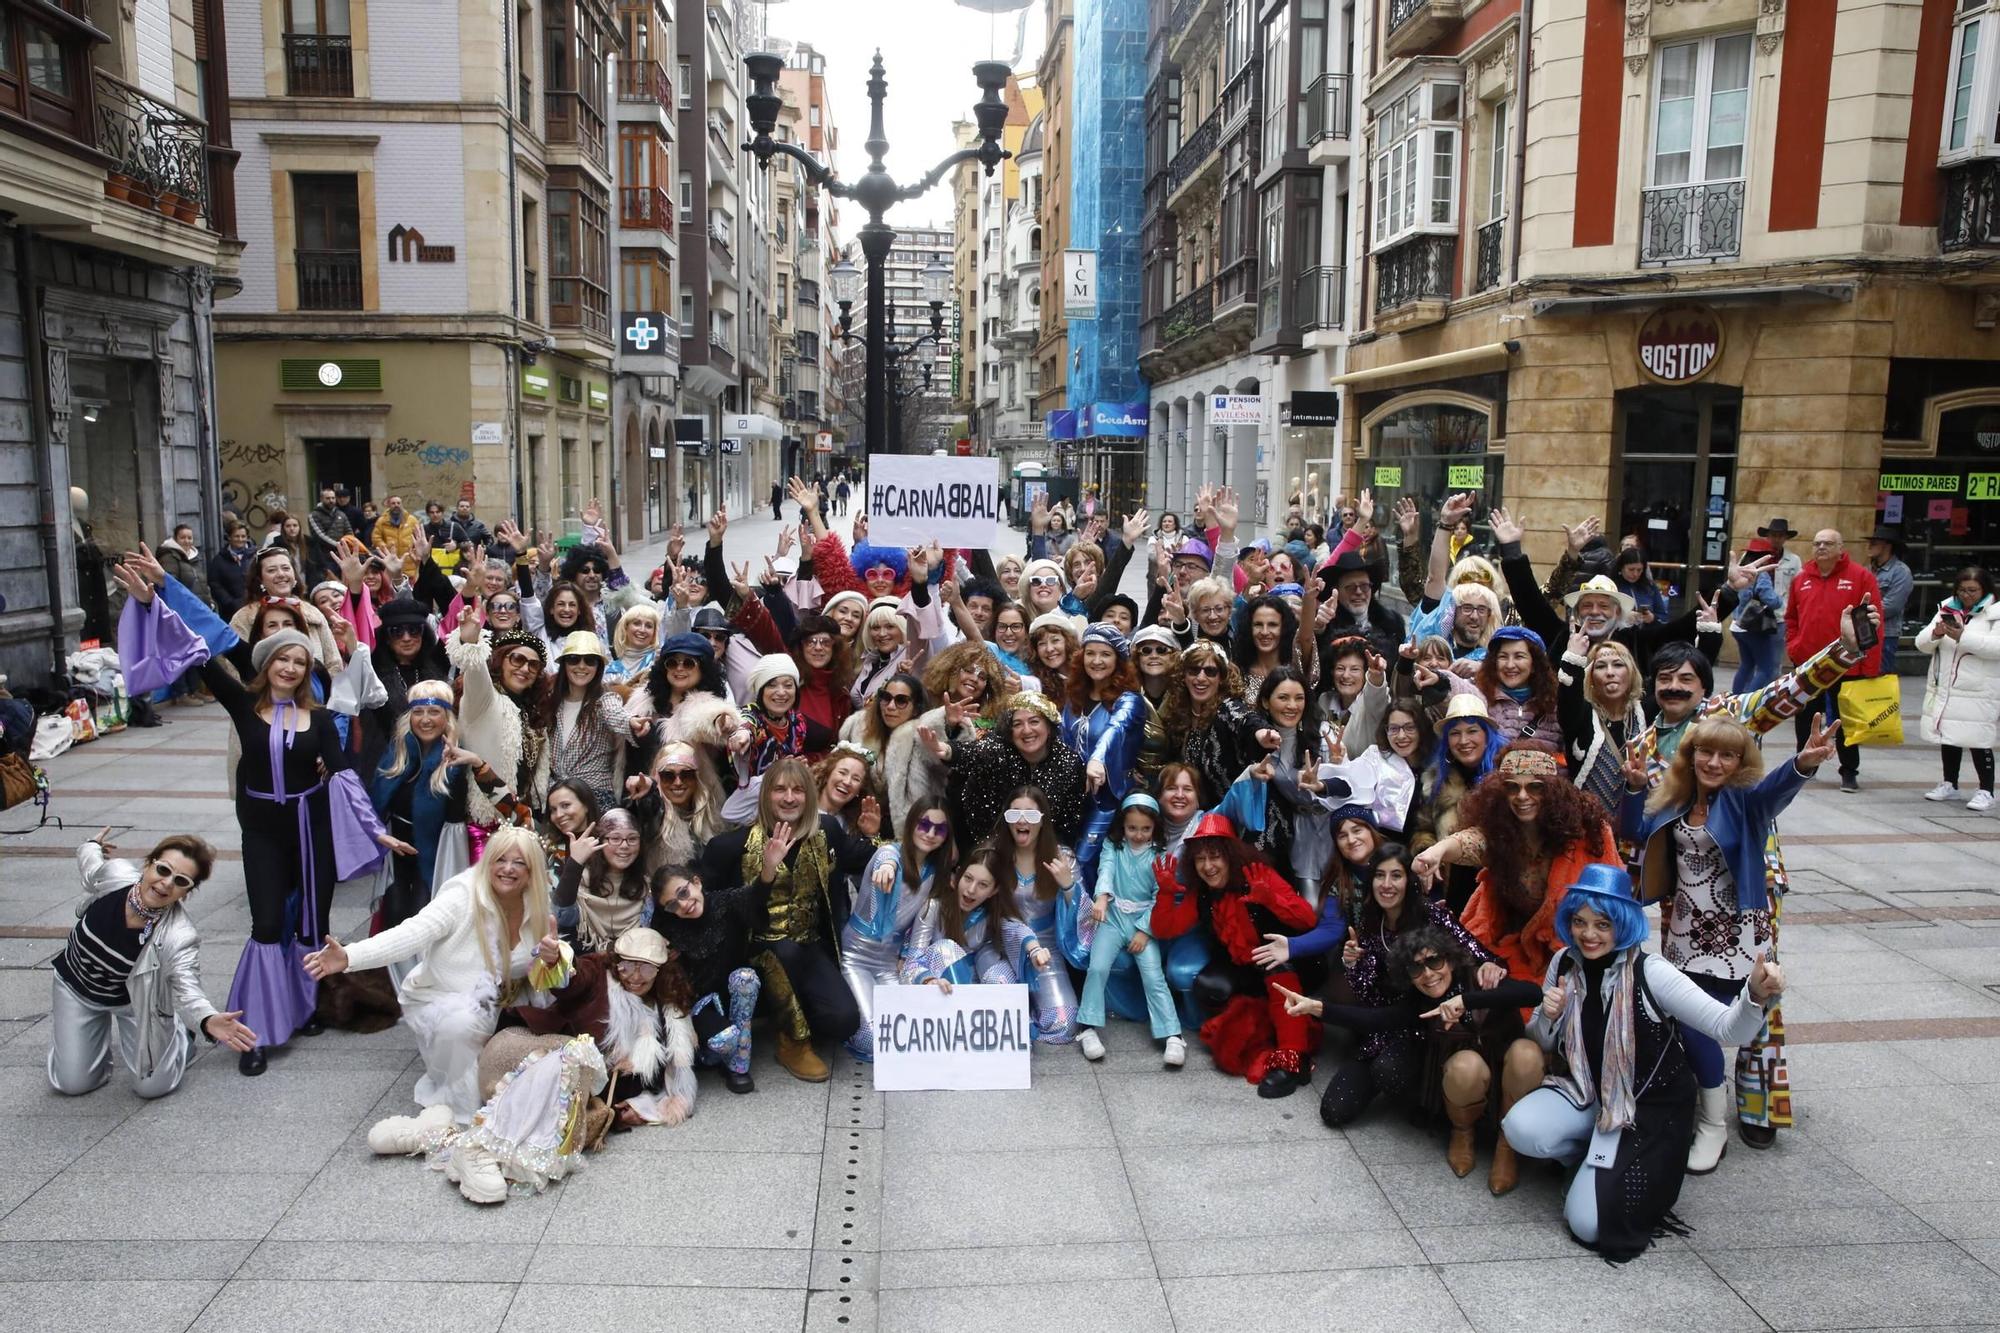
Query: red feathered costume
{"points": [[1252, 1033]]}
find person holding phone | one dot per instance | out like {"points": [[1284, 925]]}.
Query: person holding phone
{"points": [[1962, 690]]}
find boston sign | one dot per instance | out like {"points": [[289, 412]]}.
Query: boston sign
{"points": [[1680, 344]]}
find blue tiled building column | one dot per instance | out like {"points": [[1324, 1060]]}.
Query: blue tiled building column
{"points": [[1107, 195]]}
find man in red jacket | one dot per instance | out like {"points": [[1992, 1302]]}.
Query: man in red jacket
{"points": [[1827, 586]]}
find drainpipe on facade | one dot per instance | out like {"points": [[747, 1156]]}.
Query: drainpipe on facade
{"points": [[39, 414], [1523, 62]]}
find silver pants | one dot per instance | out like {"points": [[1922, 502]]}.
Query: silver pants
{"points": [[80, 1047], [865, 964]]}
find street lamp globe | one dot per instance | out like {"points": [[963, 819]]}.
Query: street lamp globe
{"points": [[937, 283], [844, 279], [927, 352]]}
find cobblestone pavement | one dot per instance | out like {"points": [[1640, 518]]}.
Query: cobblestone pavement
{"points": [[1108, 1197]]}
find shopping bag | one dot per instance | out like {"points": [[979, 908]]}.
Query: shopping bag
{"points": [[1871, 711]]}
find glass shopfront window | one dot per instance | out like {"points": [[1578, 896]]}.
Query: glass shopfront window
{"points": [[1947, 507], [1427, 451], [1675, 492]]}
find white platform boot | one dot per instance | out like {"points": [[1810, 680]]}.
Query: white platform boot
{"points": [[1711, 1130], [401, 1135]]}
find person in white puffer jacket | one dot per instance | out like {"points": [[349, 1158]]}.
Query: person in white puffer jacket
{"points": [[1962, 693]]}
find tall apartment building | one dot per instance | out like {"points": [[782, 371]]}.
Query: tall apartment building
{"points": [[645, 234], [1053, 76], [1746, 272], [117, 230], [800, 233], [1246, 218], [711, 96], [426, 305], [1107, 413], [1013, 430]]}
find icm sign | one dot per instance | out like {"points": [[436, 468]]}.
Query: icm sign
{"points": [[1079, 284]]}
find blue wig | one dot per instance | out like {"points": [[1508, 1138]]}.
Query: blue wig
{"points": [[867, 555], [1627, 917], [1496, 741]]}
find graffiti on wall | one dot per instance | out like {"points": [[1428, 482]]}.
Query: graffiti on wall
{"points": [[253, 481], [419, 471]]}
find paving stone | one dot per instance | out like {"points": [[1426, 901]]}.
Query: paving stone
{"points": [[413, 1260], [139, 1205], [1050, 1196], [746, 1200], [357, 1307], [1255, 1190], [1069, 1112], [1162, 1113], [1003, 1265], [1312, 1251], [1662, 1290], [1139, 1305], [1861, 1286], [152, 1306], [540, 1306], [1915, 1171], [559, 1261], [1357, 1298]]}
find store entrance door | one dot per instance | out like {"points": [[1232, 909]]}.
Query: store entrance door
{"points": [[1674, 491]]}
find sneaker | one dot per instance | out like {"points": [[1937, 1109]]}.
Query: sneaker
{"points": [[1944, 791], [1092, 1044], [1981, 802], [1176, 1052], [1850, 785]]}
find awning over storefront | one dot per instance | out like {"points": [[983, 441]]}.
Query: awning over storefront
{"points": [[1485, 356], [1579, 304], [754, 426]]}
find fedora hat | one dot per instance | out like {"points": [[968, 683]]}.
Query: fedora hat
{"points": [[1778, 527]]}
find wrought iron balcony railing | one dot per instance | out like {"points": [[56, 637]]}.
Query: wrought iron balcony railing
{"points": [[1200, 146], [160, 151], [319, 64], [1188, 316], [1487, 264], [1418, 269], [329, 279], [1971, 213], [1678, 223]]}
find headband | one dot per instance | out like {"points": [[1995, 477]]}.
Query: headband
{"points": [[1038, 703], [861, 752], [1528, 764]]}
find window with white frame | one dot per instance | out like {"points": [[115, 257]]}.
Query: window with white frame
{"points": [[1701, 110], [1496, 163], [1416, 162], [1972, 84]]}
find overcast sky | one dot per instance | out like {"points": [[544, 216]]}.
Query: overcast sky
{"points": [[928, 49]]}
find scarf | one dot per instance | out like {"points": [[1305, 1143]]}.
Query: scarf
{"points": [[1612, 1086], [775, 739], [801, 884], [1518, 693], [150, 916]]}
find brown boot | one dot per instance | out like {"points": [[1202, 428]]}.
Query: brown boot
{"points": [[1463, 1120], [1505, 1172], [802, 1060]]}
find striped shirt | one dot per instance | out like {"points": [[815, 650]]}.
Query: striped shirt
{"points": [[101, 953]]}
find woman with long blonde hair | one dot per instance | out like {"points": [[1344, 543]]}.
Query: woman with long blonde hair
{"points": [[482, 944], [1597, 699], [1702, 837], [678, 807]]}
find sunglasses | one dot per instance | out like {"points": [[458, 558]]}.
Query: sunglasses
{"points": [[166, 872], [676, 775], [684, 894], [676, 663], [498, 607], [897, 700], [524, 659], [1044, 581], [715, 635], [1028, 817], [406, 631], [817, 641], [938, 827], [1419, 966], [1154, 650], [1203, 669]]}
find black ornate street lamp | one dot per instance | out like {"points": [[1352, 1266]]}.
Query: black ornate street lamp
{"points": [[877, 193], [923, 348]]}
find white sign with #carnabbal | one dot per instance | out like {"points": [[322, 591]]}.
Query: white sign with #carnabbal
{"points": [[915, 499], [974, 1039]]}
